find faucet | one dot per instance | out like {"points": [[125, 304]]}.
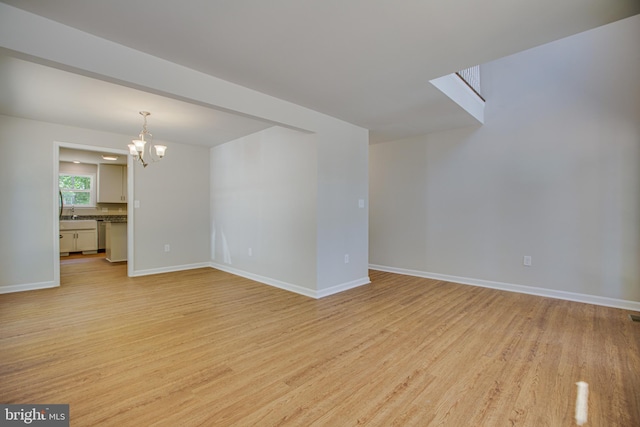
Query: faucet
{"points": [[73, 213]]}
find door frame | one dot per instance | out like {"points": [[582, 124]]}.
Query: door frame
{"points": [[56, 212]]}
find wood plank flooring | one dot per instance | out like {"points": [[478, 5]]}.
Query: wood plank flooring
{"points": [[206, 348]]}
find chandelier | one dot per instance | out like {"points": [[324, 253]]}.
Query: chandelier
{"points": [[143, 149]]}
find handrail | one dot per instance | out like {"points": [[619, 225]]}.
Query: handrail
{"points": [[471, 76]]}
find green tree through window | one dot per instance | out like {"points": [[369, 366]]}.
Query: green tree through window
{"points": [[77, 190]]}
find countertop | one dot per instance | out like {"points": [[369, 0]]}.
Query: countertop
{"points": [[110, 218]]}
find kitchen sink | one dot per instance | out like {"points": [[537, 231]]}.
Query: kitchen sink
{"points": [[78, 224]]}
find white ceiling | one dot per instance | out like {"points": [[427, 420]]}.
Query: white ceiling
{"points": [[89, 157], [367, 62], [35, 91]]}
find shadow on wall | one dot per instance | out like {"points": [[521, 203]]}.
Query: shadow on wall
{"points": [[226, 253]]}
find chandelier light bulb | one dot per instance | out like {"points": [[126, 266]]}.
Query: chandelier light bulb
{"points": [[142, 149]]}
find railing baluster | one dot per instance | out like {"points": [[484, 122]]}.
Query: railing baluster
{"points": [[471, 77]]}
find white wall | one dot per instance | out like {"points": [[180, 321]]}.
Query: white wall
{"points": [[554, 173], [292, 197], [342, 224], [174, 210], [27, 176], [78, 168], [263, 198]]}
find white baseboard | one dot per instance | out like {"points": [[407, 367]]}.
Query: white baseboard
{"points": [[289, 286], [27, 287], [265, 280], [343, 287], [531, 290], [170, 269]]}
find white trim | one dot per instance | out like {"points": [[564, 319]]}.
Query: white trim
{"points": [[56, 223], [56, 214], [530, 290], [343, 287], [27, 287], [265, 280], [131, 215], [289, 286], [169, 269]]}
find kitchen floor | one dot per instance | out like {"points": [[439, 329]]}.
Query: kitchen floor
{"points": [[80, 255]]}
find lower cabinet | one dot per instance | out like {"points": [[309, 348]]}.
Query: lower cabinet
{"points": [[85, 241], [116, 246]]}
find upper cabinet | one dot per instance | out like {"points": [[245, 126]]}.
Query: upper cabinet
{"points": [[112, 184]]}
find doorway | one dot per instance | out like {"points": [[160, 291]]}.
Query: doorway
{"points": [[91, 157]]}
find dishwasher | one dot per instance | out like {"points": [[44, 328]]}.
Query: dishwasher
{"points": [[102, 227]]}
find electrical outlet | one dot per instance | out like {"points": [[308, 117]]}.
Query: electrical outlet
{"points": [[346, 258], [250, 252], [526, 261], [167, 248]]}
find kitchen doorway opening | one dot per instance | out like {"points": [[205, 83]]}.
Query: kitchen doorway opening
{"points": [[104, 223]]}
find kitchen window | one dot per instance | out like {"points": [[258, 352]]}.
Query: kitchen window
{"points": [[78, 190]]}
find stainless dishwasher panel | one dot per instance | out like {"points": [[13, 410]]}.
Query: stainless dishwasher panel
{"points": [[102, 233]]}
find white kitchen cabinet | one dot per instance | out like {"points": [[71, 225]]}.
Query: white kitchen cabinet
{"points": [[67, 242], [116, 246], [85, 241], [78, 236], [112, 184]]}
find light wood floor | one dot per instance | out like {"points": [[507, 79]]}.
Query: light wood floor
{"points": [[206, 348]]}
